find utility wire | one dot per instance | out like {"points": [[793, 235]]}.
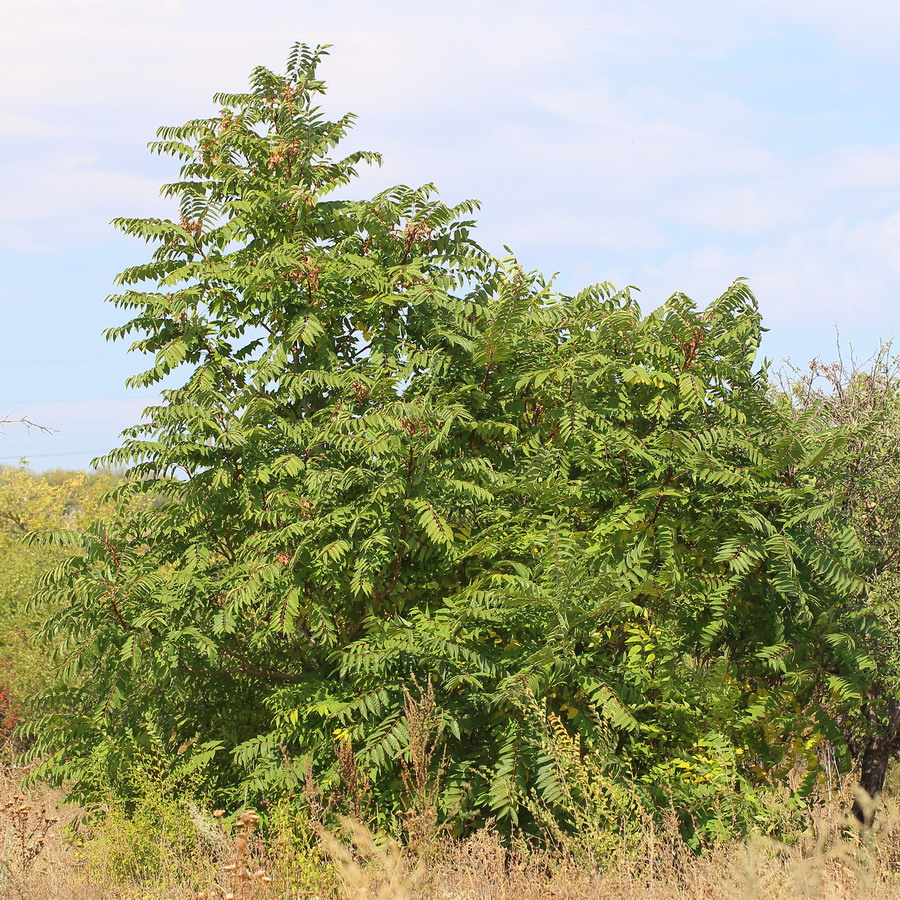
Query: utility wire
{"points": [[85, 399], [57, 362], [91, 453]]}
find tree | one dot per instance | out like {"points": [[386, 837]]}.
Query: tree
{"points": [[397, 461], [862, 400]]}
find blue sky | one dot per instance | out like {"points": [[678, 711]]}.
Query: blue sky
{"points": [[668, 146]]}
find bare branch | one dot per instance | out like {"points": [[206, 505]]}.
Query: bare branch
{"points": [[27, 423]]}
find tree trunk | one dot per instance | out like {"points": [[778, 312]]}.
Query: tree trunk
{"points": [[873, 767], [873, 763]]}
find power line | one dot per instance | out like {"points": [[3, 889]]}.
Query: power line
{"points": [[58, 362], [91, 453], [86, 399]]}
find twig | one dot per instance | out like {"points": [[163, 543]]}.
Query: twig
{"points": [[28, 424]]}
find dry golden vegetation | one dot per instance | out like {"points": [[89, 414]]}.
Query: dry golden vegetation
{"points": [[50, 851]]}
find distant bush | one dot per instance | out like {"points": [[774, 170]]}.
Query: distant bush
{"points": [[29, 503]]}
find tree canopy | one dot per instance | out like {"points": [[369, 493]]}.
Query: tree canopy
{"points": [[398, 466]]}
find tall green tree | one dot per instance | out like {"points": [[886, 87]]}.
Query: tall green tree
{"points": [[395, 461]]}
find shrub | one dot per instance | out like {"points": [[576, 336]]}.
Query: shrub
{"points": [[397, 460]]}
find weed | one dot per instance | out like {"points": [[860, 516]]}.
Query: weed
{"points": [[293, 858], [353, 794], [421, 777], [369, 868], [29, 826], [242, 874]]}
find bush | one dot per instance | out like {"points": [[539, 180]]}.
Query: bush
{"points": [[396, 460]]}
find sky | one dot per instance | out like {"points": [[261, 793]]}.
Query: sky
{"points": [[673, 147]]}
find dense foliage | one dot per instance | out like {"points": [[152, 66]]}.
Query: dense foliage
{"points": [[29, 503], [863, 401], [396, 462]]}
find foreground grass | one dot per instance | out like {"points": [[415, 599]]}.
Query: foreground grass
{"points": [[170, 850]]}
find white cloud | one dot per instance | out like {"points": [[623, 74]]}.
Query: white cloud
{"points": [[823, 276], [864, 25], [67, 417], [573, 121], [864, 168], [63, 201], [18, 125], [620, 233]]}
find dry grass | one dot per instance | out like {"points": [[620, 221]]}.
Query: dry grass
{"points": [[36, 860], [40, 860], [832, 862]]}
